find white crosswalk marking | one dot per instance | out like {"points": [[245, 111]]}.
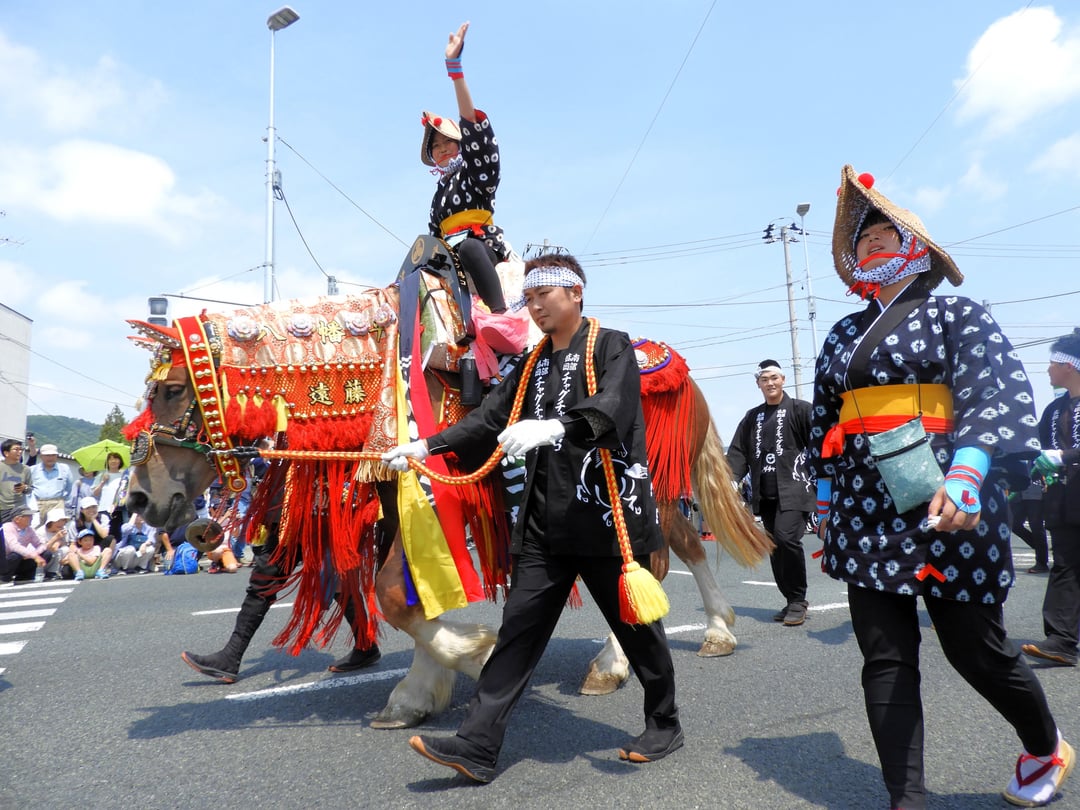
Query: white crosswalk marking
{"points": [[14, 604]]}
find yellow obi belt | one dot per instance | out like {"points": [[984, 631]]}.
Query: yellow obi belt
{"points": [[472, 219], [878, 408]]}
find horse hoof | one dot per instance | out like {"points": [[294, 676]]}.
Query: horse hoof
{"points": [[717, 649], [398, 717], [597, 684]]}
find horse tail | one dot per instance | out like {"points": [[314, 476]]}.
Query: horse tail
{"points": [[722, 508]]}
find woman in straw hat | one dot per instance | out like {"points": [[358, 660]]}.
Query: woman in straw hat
{"points": [[465, 158], [924, 517]]}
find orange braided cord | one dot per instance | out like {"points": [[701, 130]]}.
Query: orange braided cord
{"points": [[418, 466]]}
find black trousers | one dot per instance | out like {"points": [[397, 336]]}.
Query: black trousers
{"points": [[539, 588], [479, 260], [786, 528], [974, 641], [1061, 605], [1021, 510]]}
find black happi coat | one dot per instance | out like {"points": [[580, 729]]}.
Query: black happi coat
{"points": [[1059, 429], [781, 442], [955, 342], [578, 517], [474, 184]]}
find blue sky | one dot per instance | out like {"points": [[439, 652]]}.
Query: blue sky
{"points": [[655, 141]]}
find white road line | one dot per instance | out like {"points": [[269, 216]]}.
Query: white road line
{"points": [[683, 628], [25, 627], [755, 582], [11, 647], [36, 589], [236, 609], [2, 670], [12, 603], [317, 686], [834, 606], [27, 614], [680, 573]]}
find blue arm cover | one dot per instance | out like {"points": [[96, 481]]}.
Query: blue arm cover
{"points": [[965, 478]]}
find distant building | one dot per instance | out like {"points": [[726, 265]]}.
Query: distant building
{"points": [[14, 372]]}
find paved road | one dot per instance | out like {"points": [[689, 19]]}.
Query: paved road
{"points": [[97, 710]]}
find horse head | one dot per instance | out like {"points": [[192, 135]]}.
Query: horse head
{"points": [[169, 445]]}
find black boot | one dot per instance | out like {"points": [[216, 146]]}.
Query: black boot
{"points": [[356, 659], [225, 664]]}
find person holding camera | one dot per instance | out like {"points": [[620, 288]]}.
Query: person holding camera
{"points": [[14, 479]]}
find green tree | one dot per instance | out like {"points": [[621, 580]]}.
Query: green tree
{"points": [[114, 424]]}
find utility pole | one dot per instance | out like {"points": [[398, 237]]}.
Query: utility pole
{"points": [[795, 361], [793, 322]]}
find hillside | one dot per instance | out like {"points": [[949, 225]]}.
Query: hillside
{"points": [[65, 432]]}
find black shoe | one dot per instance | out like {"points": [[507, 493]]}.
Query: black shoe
{"points": [[213, 665], [796, 614], [357, 659], [780, 614], [1039, 569], [652, 745], [1048, 653], [443, 752]]}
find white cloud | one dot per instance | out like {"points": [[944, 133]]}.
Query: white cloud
{"points": [[17, 283], [1023, 65], [979, 182], [68, 100], [64, 337], [89, 181], [1063, 157], [930, 200]]}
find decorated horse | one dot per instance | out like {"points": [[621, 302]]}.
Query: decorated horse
{"points": [[338, 380]]}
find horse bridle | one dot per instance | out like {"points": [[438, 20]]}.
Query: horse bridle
{"points": [[186, 432]]}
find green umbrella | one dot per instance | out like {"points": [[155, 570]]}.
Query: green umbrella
{"points": [[93, 456]]}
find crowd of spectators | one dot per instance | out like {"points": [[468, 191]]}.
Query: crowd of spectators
{"points": [[55, 525]]}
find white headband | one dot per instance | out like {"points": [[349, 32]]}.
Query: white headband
{"points": [[767, 369], [1061, 357], [551, 276]]}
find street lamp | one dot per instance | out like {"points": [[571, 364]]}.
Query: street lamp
{"points": [[802, 209], [282, 18]]}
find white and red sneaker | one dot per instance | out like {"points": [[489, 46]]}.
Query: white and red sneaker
{"points": [[1038, 779]]}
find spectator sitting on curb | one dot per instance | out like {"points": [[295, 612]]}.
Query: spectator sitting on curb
{"points": [[88, 517], [88, 559], [208, 538], [53, 537], [23, 551], [136, 546]]}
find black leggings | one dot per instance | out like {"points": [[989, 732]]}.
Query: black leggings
{"points": [[478, 260], [974, 641]]}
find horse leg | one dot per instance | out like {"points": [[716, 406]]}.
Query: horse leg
{"points": [[442, 649], [608, 671], [687, 545]]}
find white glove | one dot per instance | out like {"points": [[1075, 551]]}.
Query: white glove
{"points": [[397, 459], [528, 434]]}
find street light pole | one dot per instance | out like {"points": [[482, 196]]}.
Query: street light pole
{"points": [[282, 18], [802, 210], [795, 361]]}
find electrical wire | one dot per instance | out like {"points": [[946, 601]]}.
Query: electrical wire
{"points": [[645, 137], [336, 188]]}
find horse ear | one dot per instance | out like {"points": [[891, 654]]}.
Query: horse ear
{"points": [[165, 335]]}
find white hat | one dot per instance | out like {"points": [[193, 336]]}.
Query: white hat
{"points": [[48, 450], [55, 515], [87, 502]]}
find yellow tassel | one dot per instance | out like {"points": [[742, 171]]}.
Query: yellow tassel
{"points": [[641, 597], [282, 413], [241, 403], [260, 536], [161, 372]]}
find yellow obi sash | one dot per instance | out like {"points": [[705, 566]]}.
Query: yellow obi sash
{"points": [[472, 219], [878, 408]]}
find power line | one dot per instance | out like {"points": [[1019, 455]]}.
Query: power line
{"points": [[336, 188], [645, 137]]}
